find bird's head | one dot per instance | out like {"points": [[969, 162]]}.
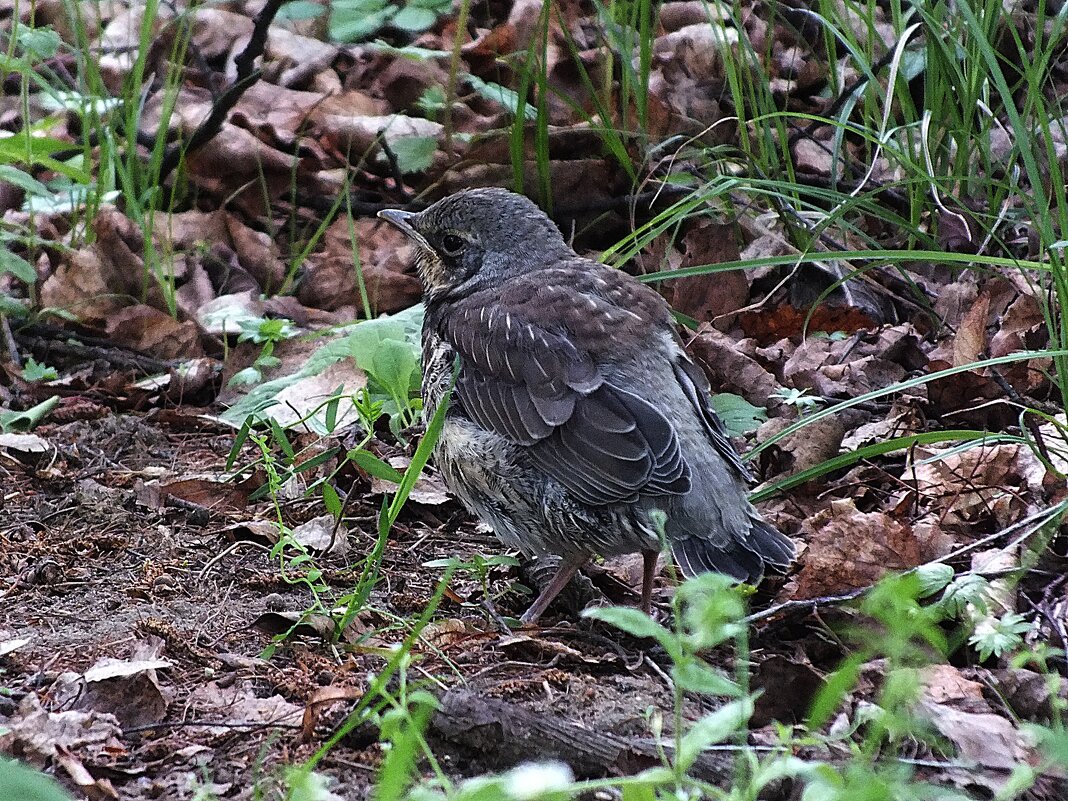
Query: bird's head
{"points": [[477, 238]]}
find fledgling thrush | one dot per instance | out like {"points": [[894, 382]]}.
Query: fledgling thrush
{"points": [[576, 412]]}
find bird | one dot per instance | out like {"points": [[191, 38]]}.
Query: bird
{"points": [[577, 426]]}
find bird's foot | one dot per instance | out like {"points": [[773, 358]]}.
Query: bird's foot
{"points": [[565, 571]]}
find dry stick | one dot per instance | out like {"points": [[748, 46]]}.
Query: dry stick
{"points": [[9, 341], [49, 339], [220, 109], [809, 604]]}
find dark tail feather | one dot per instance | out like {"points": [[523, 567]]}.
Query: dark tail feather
{"points": [[742, 561], [775, 548]]}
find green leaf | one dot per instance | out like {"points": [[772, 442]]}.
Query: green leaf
{"points": [[24, 148], [353, 20], [39, 43], [500, 94], [14, 307], [414, 153], [396, 367], [21, 422], [411, 18], [834, 690], [318, 459], [246, 377], [933, 578], [639, 792], [370, 463], [22, 782], [738, 414], [332, 501], [696, 677], [633, 621], [300, 10], [281, 440], [965, 591], [23, 180], [17, 266], [711, 729], [33, 371]]}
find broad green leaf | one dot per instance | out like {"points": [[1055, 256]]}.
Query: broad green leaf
{"points": [[633, 621], [694, 676], [414, 153], [933, 578], [395, 366], [300, 10], [18, 781], [738, 414], [23, 180], [411, 18], [17, 266], [38, 43], [371, 464], [353, 20]]}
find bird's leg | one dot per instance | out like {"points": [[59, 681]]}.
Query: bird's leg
{"points": [[568, 567], [648, 576]]}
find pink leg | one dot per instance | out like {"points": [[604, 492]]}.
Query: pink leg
{"points": [[568, 568], [648, 576]]}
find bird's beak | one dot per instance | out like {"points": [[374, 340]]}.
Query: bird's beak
{"points": [[400, 218]]}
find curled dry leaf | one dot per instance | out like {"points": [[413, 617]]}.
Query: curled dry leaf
{"points": [[729, 369], [986, 482], [854, 365], [319, 701]]}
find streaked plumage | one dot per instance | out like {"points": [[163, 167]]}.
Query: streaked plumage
{"points": [[576, 410]]}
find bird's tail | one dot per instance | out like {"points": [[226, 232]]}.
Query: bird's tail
{"points": [[742, 558]]}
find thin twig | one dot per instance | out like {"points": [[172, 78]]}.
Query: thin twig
{"points": [[221, 108]]}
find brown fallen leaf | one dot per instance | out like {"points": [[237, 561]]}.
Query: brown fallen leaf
{"points": [[969, 345], [729, 369], [216, 495], [317, 703], [147, 330], [712, 297], [239, 704], [849, 549], [129, 689]]}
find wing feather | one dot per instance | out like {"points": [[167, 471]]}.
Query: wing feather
{"points": [[537, 387]]}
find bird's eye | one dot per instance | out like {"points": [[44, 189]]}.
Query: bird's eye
{"points": [[451, 244]]}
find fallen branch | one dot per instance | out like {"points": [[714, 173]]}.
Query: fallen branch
{"points": [[505, 734]]}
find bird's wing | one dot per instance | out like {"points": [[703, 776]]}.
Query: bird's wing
{"points": [[695, 386], [540, 388]]}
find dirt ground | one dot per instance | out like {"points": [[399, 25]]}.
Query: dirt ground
{"points": [[96, 573]]}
